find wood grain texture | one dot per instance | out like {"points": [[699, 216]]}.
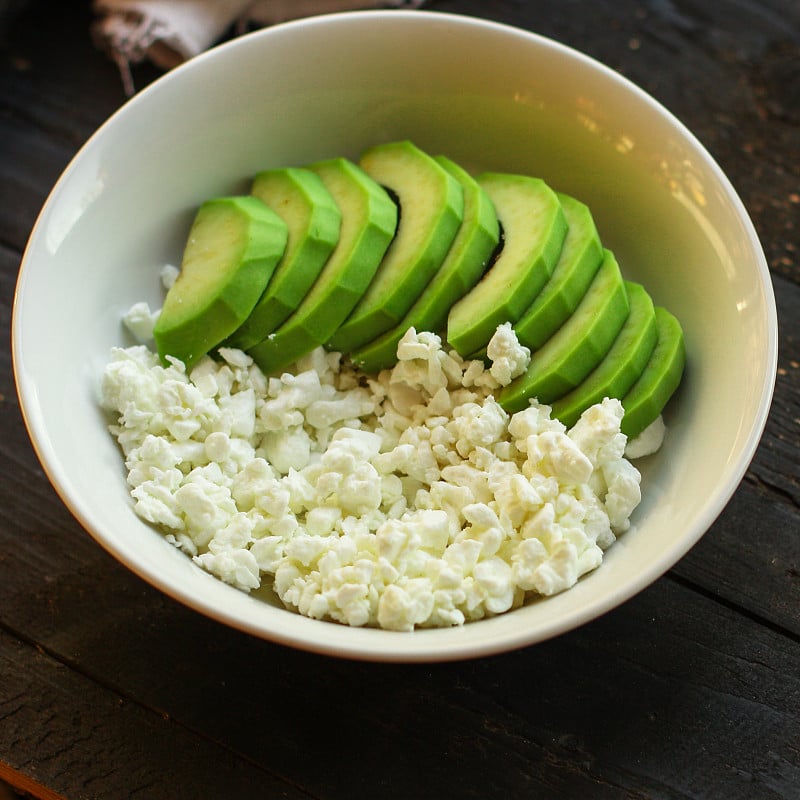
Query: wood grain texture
{"points": [[618, 706], [64, 730], [689, 691], [751, 555]]}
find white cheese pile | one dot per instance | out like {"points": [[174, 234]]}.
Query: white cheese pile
{"points": [[410, 499]]}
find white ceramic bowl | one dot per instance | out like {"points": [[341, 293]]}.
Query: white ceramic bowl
{"points": [[487, 95]]}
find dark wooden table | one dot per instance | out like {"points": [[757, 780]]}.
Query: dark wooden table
{"points": [[108, 689]]}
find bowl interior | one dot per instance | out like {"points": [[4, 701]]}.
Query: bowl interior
{"points": [[483, 94]]}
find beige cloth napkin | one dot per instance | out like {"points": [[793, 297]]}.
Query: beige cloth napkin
{"points": [[168, 32]]}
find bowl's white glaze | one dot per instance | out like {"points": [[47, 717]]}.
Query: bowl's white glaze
{"points": [[488, 96]]}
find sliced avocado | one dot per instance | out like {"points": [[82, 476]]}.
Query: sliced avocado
{"points": [[578, 346], [369, 221], [463, 266], [662, 374], [622, 365], [578, 263], [533, 229], [299, 197], [431, 208], [233, 246]]}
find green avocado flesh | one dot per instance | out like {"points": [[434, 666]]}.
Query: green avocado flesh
{"points": [[299, 197], [469, 254], [369, 222], [622, 365], [431, 209], [578, 263], [533, 228], [646, 399], [350, 256], [578, 346], [233, 247]]}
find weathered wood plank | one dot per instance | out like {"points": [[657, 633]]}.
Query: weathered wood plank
{"points": [[56, 89], [14, 785], [65, 731], [665, 696], [689, 690], [777, 462], [751, 558], [751, 555], [31, 162]]}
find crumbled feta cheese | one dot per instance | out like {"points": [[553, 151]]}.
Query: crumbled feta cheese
{"points": [[407, 500], [169, 274], [509, 358], [648, 441], [140, 321], [237, 567]]}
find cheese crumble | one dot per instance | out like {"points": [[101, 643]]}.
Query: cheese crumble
{"points": [[409, 499]]}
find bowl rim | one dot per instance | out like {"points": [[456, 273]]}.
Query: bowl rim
{"points": [[428, 645]]}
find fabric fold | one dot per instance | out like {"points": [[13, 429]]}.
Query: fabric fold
{"points": [[169, 32]]}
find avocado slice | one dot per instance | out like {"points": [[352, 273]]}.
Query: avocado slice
{"points": [[369, 221], [533, 228], [622, 365], [466, 261], [300, 199], [233, 246], [646, 399], [578, 263], [578, 346], [431, 209]]}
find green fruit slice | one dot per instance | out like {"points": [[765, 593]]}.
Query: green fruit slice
{"points": [[463, 266], [578, 346], [231, 252], [300, 199], [533, 228], [369, 221], [431, 208], [578, 263], [622, 365], [646, 399]]}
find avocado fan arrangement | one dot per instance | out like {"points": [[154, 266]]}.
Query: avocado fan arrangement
{"points": [[349, 256]]}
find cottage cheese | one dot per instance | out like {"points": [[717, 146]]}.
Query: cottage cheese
{"points": [[403, 500]]}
